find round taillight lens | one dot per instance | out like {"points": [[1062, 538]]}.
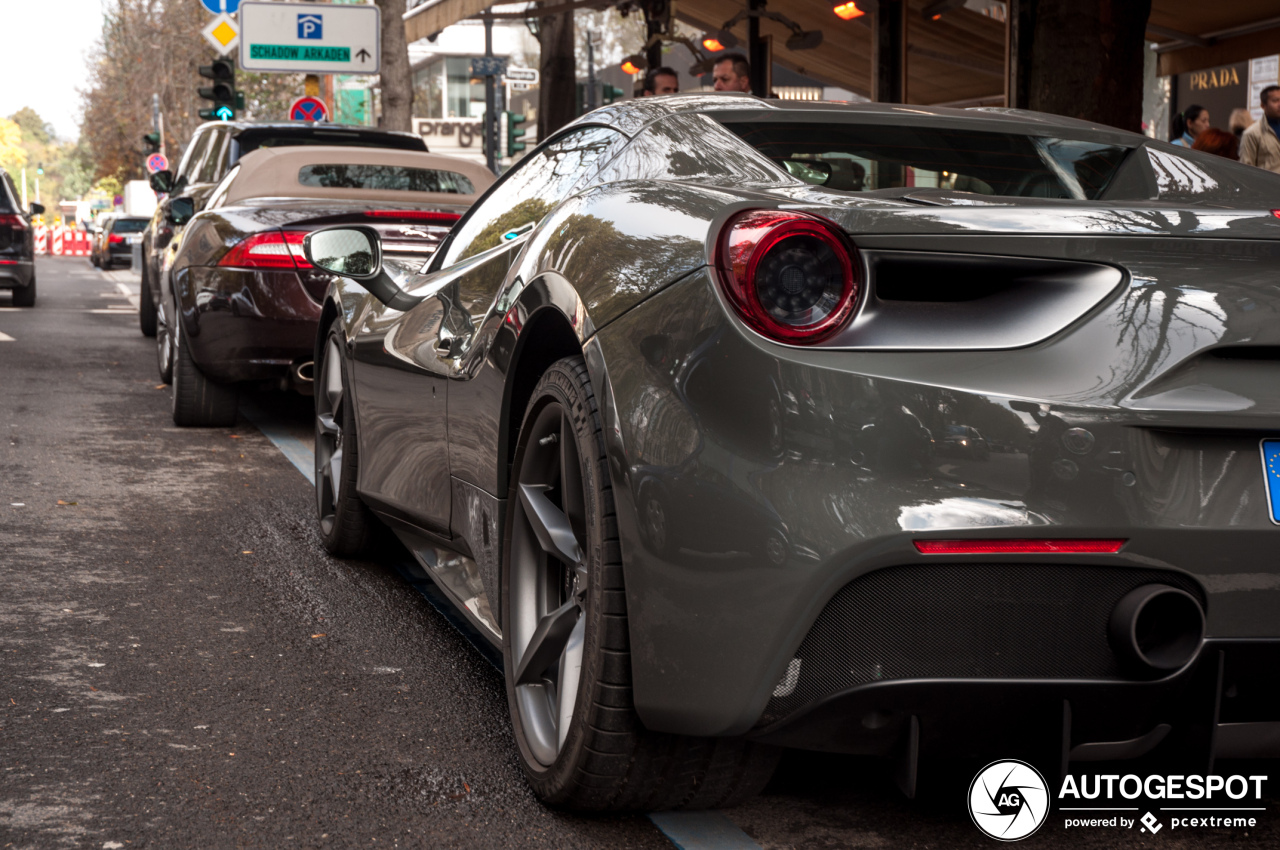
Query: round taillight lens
{"points": [[790, 276]]}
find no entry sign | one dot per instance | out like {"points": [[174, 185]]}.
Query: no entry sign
{"points": [[308, 109]]}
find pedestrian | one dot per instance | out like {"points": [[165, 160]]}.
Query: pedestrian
{"points": [[1240, 121], [661, 81], [732, 72], [1218, 142], [1260, 145], [1188, 124]]}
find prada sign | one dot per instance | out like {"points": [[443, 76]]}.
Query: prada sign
{"points": [[1216, 78]]}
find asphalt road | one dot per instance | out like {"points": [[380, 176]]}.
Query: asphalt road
{"points": [[181, 664]]}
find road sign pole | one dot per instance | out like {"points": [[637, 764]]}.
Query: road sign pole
{"points": [[490, 102]]}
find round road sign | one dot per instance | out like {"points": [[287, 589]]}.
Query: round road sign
{"points": [[308, 109], [157, 162], [219, 6]]}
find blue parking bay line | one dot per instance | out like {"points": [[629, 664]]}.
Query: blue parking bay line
{"points": [[686, 830], [702, 831], [294, 450]]}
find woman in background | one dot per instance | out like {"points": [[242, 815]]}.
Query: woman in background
{"points": [[1218, 141], [1240, 121], [1188, 124]]}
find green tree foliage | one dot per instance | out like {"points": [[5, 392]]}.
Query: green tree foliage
{"points": [[13, 156], [26, 141]]}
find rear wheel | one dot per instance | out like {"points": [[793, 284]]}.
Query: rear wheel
{"points": [[347, 527], [565, 633], [26, 296], [164, 341], [146, 306], [198, 401]]}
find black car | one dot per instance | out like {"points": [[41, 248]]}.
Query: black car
{"points": [[214, 148], [114, 242], [17, 245]]}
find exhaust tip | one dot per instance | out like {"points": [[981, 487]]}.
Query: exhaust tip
{"points": [[1157, 628], [304, 372]]}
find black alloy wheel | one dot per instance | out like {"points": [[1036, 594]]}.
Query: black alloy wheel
{"points": [[146, 306], [347, 527], [565, 637]]}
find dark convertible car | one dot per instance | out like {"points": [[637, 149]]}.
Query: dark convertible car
{"points": [[666, 416], [239, 303]]}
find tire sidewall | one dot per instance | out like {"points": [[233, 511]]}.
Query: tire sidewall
{"points": [[554, 782], [346, 493]]}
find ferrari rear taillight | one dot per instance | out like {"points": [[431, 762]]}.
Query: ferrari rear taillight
{"points": [[428, 216], [790, 276], [1031, 546], [276, 249]]}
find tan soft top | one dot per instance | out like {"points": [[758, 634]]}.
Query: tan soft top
{"points": [[273, 173]]}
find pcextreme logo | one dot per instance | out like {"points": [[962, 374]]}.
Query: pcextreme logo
{"points": [[1009, 800]]}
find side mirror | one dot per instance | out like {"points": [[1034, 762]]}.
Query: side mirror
{"points": [[37, 209], [355, 252], [162, 181], [180, 210]]}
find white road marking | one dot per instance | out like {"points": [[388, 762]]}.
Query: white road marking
{"points": [[120, 311], [4, 337]]}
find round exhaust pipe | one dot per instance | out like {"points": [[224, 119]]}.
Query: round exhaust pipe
{"points": [[1156, 628], [304, 371]]}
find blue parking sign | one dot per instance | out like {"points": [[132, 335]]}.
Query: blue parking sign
{"points": [[310, 26]]}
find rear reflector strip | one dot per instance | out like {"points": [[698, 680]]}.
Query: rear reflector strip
{"points": [[1017, 547], [431, 216]]}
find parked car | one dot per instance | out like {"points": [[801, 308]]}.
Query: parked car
{"points": [[238, 302], [114, 239], [632, 303], [214, 148], [17, 244]]}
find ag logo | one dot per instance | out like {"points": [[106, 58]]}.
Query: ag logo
{"points": [[1008, 800]]}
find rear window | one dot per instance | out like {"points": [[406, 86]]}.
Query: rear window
{"points": [[399, 178], [129, 225], [866, 157], [251, 140]]}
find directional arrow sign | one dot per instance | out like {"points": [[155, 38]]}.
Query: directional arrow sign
{"points": [[310, 38]]}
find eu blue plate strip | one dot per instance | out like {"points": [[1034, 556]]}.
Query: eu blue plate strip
{"points": [[1271, 466], [702, 831], [686, 830], [290, 446]]}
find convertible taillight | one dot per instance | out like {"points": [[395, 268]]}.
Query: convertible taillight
{"points": [[1032, 546], [279, 250], [429, 216], [790, 276]]}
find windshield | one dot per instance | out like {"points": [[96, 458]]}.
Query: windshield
{"points": [[129, 225], [866, 157]]}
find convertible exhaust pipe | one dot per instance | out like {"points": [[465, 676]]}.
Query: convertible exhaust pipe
{"points": [[1156, 628], [304, 372]]}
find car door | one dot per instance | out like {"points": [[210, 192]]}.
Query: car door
{"points": [[403, 362]]}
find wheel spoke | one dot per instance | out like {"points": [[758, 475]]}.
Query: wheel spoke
{"points": [[333, 379], [328, 427], [571, 493], [548, 642], [335, 472], [550, 525], [570, 672]]}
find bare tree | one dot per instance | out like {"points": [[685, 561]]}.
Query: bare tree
{"points": [[397, 76]]}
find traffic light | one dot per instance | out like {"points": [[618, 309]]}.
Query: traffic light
{"points": [[40, 168], [514, 132], [223, 91], [152, 141], [609, 94]]}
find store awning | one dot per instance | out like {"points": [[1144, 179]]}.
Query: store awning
{"points": [[1193, 35]]}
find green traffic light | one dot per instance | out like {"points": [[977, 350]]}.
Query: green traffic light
{"points": [[514, 132], [40, 168]]}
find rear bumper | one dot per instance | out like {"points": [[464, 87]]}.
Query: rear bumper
{"points": [[16, 275], [243, 325], [1226, 704]]}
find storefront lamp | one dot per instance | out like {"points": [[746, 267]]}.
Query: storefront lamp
{"points": [[849, 11]]}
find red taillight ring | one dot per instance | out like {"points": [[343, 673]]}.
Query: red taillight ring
{"points": [[739, 259], [1025, 546]]}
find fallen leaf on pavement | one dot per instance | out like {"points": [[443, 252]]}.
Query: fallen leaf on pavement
{"points": [[159, 386], [60, 502], [322, 634], [246, 552]]}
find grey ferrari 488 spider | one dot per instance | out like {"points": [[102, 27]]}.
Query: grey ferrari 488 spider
{"points": [[741, 425]]}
